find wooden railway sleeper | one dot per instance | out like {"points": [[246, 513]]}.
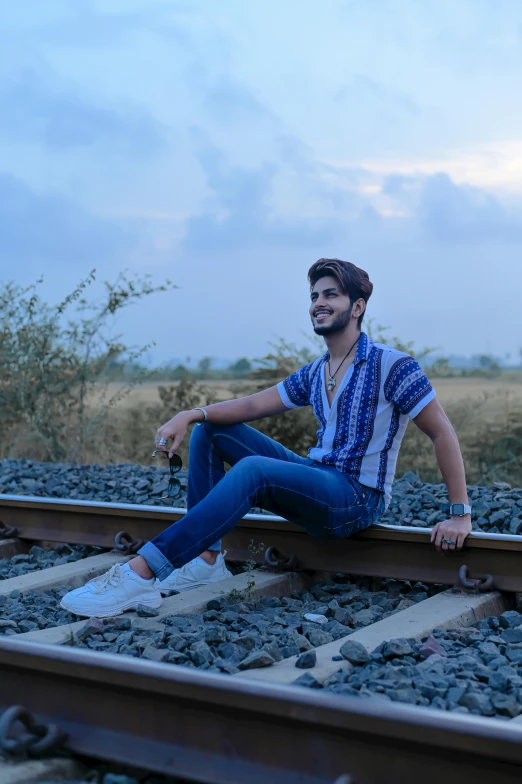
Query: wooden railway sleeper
{"points": [[480, 584], [125, 544], [37, 740], [7, 532], [276, 561]]}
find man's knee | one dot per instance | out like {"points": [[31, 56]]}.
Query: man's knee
{"points": [[202, 432], [252, 465]]}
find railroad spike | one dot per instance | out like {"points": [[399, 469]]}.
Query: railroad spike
{"points": [[276, 561], [7, 532], [480, 584], [38, 739], [126, 544]]}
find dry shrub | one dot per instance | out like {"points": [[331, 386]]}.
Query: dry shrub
{"points": [[54, 357], [489, 430], [130, 431]]}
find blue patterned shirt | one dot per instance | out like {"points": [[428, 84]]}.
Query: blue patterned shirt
{"points": [[362, 431]]}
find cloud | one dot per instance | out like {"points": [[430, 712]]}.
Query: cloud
{"points": [[454, 214], [42, 231], [83, 24], [36, 106], [365, 93], [233, 102], [242, 207]]}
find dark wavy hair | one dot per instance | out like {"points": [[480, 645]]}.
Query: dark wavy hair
{"points": [[352, 280]]}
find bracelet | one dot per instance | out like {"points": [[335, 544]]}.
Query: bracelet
{"points": [[205, 415]]}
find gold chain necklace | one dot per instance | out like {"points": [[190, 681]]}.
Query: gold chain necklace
{"points": [[331, 382]]}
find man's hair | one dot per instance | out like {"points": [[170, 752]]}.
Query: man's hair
{"points": [[352, 280]]}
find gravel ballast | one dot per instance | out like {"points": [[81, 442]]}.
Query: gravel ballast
{"points": [[43, 558], [477, 669], [31, 611], [232, 637], [496, 508]]}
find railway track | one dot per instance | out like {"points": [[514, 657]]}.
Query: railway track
{"points": [[256, 725]]}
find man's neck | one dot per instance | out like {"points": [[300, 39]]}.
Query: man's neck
{"points": [[340, 343]]}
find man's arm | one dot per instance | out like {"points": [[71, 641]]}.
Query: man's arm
{"points": [[243, 409], [433, 421], [229, 412]]}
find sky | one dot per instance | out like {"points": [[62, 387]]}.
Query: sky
{"points": [[228, 145]]}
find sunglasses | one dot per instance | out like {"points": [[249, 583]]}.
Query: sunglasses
{"points": [[174, 486]]}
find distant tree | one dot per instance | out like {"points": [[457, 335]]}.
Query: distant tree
{"points": [[179, 372], [487, 362], [242, 365], [204, 365]]}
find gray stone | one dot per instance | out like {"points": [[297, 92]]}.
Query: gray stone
{"points": [[345, 616], [354, 652], [200, 653], [506, 705], [273, 650], [306, 660], [398, 647], [156, 654], [147, 625], [289, 650], [512, 634], [308, 680], [317, 637], [256, 659], [368, 616], [146, 612], [215, 634], [7, 624], [510, 618], [93, 626], [474, 701]]}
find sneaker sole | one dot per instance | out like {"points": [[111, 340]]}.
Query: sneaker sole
{"points": [[190, 587], [131, 605]]}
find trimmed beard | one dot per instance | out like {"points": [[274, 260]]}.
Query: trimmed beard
{"points": [[342, 321]]}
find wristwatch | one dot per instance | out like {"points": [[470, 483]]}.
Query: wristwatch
{"points": [[459, 510]]}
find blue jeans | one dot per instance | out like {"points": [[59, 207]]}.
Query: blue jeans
{"points": [[326, 502]]}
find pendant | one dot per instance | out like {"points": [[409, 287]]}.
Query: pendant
{"points": [[330, 384]]}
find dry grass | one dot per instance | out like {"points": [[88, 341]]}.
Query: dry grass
{"points": [[449, 390], [485, 412]]}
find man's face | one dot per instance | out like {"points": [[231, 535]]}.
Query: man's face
{"points": [[330, 309]]}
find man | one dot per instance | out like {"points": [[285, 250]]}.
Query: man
{"points": [[362, 393]]}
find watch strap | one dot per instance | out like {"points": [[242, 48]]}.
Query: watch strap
{"points": [[459, 510]]}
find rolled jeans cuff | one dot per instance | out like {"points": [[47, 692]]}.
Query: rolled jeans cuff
{"points": [[157, 562]]}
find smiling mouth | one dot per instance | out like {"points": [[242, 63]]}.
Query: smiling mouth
{"points": [[322, 315]]}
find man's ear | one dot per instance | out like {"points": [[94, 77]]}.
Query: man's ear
{"points": [[361, 307]]}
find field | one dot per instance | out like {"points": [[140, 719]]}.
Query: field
{"points": [[449, 390], [485, 412]]}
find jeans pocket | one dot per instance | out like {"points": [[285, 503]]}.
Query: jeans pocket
{"points": [[345, 522]]}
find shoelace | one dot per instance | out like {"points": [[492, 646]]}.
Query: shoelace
{"points": [[113, 577]]}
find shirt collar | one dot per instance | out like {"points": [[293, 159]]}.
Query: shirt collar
{"points": [[364, 346], [362, 352]]}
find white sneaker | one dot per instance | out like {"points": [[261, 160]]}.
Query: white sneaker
{"points": [[195, 573], [110, 594]]}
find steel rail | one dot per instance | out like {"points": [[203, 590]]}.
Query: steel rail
{"points": [[381, 551], [222, 730]]}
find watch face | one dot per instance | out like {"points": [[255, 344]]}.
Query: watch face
{"points": [[457, 509]]}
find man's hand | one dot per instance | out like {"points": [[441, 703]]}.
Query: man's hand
{"points": [[455, 529], [175, 429]]}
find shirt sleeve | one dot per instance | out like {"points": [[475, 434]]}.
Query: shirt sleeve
{"points": [[407, 386], [294, 391]]}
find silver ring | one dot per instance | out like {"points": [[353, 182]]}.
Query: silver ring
{"points": [[162, 442], [448, 541]]}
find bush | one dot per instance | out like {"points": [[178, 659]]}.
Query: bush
{"points": [[53, 362]]}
